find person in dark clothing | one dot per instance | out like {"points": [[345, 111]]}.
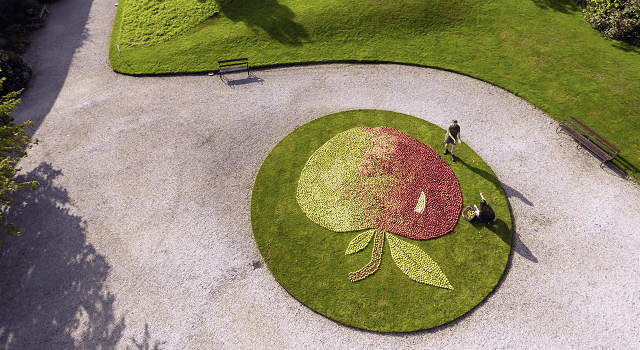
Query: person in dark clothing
{"points": [[453, 137], [485, 213]]}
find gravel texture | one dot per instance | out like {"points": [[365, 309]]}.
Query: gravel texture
{"points": [[140, 235]]}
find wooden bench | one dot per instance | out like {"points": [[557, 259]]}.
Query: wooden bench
{"points": [[590, 139], [232, 66], [38, 21]]}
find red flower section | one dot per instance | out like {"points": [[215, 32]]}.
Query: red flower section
{"points": [[398, 168]]}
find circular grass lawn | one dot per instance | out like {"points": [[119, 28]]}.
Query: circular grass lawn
{"points": [[309, 260]]}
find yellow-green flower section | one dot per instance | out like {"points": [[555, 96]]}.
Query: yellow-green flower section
{"points": [[360, 242], [416, 264], [150, 22], [326, 176]]}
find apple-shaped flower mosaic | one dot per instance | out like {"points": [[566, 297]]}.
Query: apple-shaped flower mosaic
{"points": [[388, 183]]}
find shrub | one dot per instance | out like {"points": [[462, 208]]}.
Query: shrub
{"points": [[616, 19], [15, 38], [16, 70], [14, 21]]}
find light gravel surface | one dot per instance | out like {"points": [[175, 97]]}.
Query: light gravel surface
{"points": [[140, 235]]}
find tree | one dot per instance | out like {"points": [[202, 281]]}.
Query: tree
{"points": [[14, 143]]}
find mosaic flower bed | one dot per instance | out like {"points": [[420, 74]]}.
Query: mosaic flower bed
{"points": [[381, 178], [316, 265]]}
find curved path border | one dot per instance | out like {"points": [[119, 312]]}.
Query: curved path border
{"points": [[140, 233]]}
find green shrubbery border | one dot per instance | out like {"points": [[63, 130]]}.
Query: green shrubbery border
{"points": [[616, 19]]}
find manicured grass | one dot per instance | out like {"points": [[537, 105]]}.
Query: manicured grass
{"points": [[541, 50], [309, 261]]}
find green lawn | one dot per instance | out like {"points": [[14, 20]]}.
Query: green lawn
{"points": [[541, 50], [309, 260]]}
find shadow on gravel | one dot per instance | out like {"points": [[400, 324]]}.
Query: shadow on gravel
{"points": [[145, 343], [512, 192], [269, 15], [252, 79], [50, 56], [522, 249], [51, 279]]}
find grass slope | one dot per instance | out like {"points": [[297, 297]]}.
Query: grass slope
{"points": [[309, 261], [542, 50]]}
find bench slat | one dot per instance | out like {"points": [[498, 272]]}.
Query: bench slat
{"points": [[589, 139], [598, 137], [236, 69], [595, 140], [234, 60], [233, 65], [585, 142]]}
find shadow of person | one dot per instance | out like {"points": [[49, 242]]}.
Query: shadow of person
{"points": [[483, 173], [512, 192], [501, 229], [51, 294], [522, 249], [498, 226], [269, 15], [508, 191]]}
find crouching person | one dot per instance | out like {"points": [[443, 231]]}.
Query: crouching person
{"points": [[485, 213]]}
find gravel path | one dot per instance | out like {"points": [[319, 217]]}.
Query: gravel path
{"points": [[140, 233]]}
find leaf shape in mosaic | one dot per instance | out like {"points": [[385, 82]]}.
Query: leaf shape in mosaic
{"points": [[416, 264], [360, 242]]}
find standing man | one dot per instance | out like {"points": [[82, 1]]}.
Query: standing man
{"points": [[453, 134]]}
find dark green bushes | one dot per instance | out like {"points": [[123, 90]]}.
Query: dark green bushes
{"points": [[15, 23], [16, 27], [616, 19], [16, 70]]}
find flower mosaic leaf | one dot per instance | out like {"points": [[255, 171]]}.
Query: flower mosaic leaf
{"points": [[360, 242], [416, 264], [374, 264]]}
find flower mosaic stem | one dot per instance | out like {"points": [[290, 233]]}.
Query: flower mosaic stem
{"points": [[374, 264]]}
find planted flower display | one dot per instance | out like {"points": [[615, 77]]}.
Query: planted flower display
{"points": [[388, 183]]}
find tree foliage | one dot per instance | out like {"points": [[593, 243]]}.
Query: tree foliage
{"points": [[16, 70], [14, 143]]}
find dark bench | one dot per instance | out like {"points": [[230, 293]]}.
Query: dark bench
{"points": [[232, 66], [590, 139], [38, 20]]}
